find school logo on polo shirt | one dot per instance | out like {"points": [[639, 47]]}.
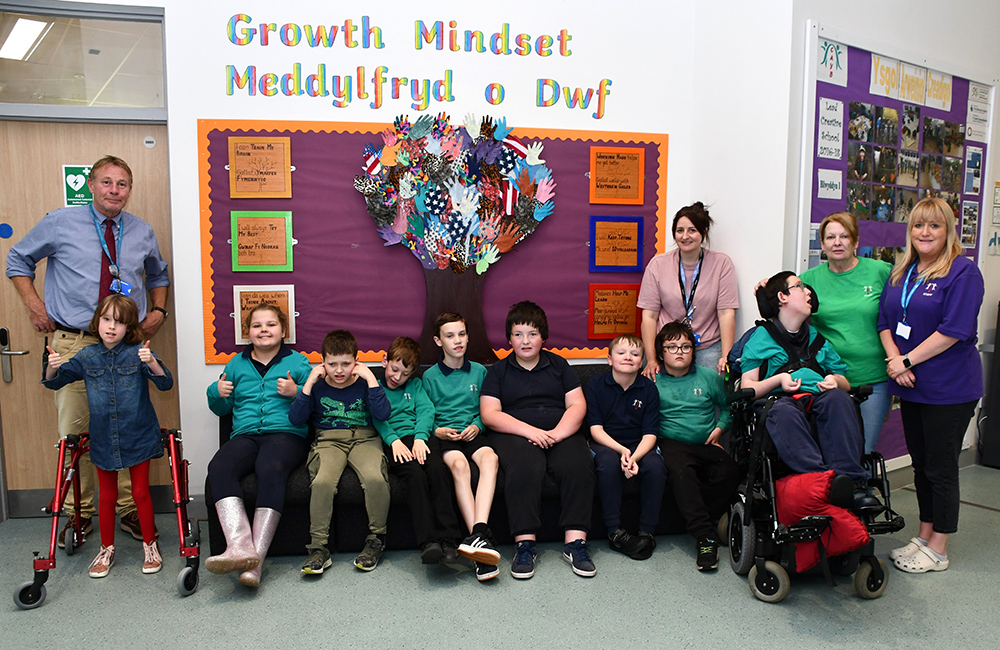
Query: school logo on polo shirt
{"points": [[930, 288], [407, 396], [474, 388], [637, 404], [869, 290], [697, 392]]}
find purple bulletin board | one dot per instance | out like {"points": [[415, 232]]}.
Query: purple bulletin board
{"points": [[344, 275], [921, 151], [883, 230]]}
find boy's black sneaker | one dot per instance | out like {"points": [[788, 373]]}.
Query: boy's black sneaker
{"points": [[647, 545], [431, 553], [708, 554], [622, 541], [577, 553], [523, 565], [450, 551], [479, 547], [317, 562], [486, 572], [369, 556]]}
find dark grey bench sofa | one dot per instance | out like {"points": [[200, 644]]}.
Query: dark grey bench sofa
{"points": [[350, 520]]}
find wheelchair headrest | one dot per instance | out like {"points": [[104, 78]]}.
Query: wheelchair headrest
{"points": [[767, 312]]}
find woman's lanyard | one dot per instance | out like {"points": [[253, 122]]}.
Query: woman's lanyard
{"points": [[902, 329], [104, 244], [688, 297]]}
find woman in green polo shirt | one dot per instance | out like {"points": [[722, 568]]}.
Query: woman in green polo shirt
{"points": [[849, 288]]}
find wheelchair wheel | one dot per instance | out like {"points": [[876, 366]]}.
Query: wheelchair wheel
{"points": [[866, 584], [773, 585], [742, 540], [722, 530]]}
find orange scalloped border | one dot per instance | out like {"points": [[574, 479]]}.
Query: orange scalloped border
{"points": [[212, 356]]}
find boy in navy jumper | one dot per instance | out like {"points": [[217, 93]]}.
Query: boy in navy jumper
{"points": [[341, 409], [623, 414], [453, 385], [406, 434]]}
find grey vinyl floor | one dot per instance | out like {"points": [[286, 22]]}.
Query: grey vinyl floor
{"points": [[663, 602]]}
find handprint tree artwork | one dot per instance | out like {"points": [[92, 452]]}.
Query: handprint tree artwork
{"points": [[459, 197]]}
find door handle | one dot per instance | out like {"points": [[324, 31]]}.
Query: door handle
{"points": [[6, 353]]}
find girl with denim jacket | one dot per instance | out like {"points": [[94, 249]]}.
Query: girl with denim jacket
{"points": [[124, 431]]}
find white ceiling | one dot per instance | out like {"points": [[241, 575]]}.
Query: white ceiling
{"points": [[85, 62]]}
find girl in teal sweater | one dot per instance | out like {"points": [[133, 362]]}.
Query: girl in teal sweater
{"points": [[257, 387]]}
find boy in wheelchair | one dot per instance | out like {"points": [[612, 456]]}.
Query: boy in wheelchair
{"points": [[812, 383]]}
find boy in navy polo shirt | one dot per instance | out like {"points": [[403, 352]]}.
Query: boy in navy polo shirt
{"points": [[533, 406], [623, 413]]}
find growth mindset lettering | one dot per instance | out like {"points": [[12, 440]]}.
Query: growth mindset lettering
{"points": [[377, 84]]}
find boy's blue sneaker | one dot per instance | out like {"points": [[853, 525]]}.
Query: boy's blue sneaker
{"points": [[577, 553], [523, 566]]}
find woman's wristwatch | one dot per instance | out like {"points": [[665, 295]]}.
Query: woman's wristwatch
{"points": [[906, 362]]}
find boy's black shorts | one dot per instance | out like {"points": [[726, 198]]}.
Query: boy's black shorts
{"points": [[467, 447]]}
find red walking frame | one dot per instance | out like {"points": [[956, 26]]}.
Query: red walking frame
{"points": [[30, 595]]}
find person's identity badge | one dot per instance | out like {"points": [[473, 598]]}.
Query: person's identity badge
{"points": [[903, 331]]}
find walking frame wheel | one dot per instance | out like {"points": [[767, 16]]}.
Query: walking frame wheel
{"points": [[187, 581], [29, 595]]}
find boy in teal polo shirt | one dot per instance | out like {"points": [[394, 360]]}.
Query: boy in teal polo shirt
{"points": [[693, 416], [406, 433], [453, 385]]}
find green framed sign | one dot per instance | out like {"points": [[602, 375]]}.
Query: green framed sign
{"points": [[262, 240]]}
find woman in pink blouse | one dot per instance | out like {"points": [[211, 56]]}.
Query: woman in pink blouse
{"points": [[694, 284]]}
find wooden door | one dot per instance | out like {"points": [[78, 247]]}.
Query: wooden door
{"points": [[31, 156]]}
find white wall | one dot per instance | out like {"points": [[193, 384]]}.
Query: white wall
{"points": [[646, 53], [722, 78]]}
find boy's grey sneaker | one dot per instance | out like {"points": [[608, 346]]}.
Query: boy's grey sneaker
{"points": [[577, 553], [523, 565], [708, 554], [486, 572], [318, 561], [480, 548], [369, 556]]}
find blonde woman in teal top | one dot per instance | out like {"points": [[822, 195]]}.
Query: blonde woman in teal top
{"points": [[849, 288]]}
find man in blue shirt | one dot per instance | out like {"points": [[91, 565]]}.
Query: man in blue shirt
{"points": [[80, 263]]}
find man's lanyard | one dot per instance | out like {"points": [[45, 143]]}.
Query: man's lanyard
{"points": [[98, 223], [688, 298], [904, 297]]}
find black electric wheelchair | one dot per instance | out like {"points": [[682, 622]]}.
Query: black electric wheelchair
{"points": [[759, 545]]}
